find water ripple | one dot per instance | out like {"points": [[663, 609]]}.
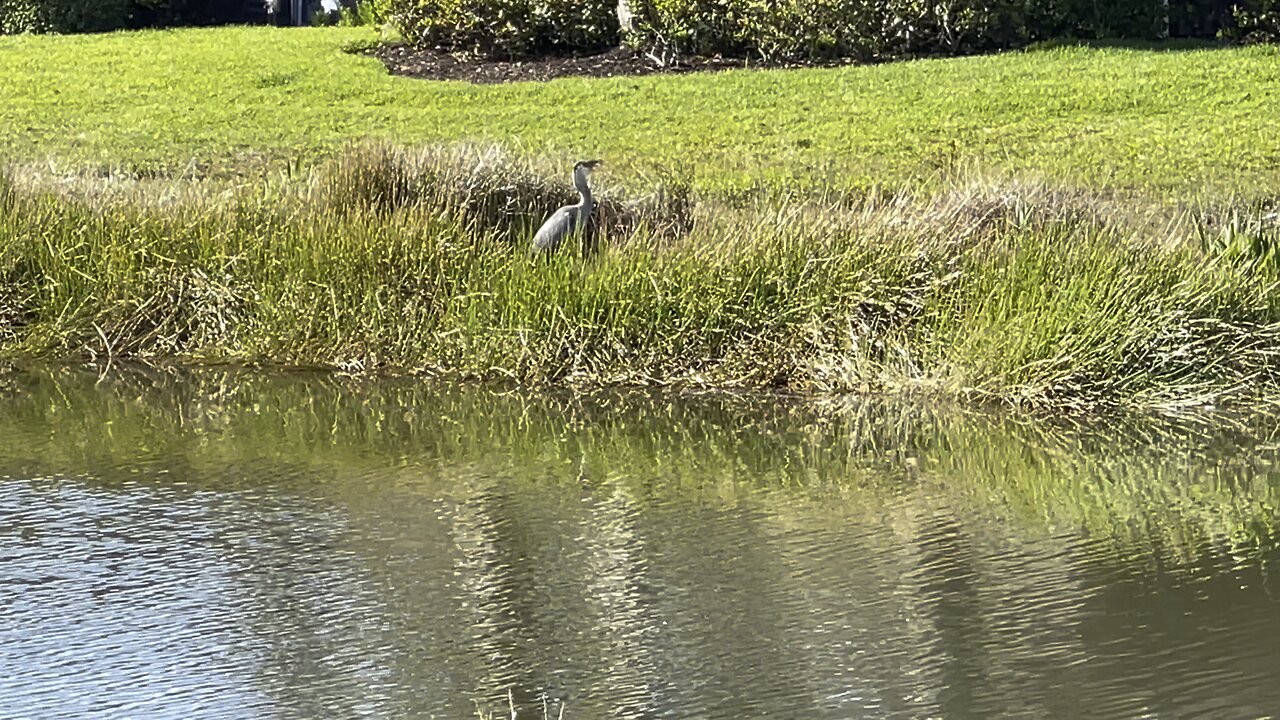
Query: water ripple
{"points": [[629, 570]]}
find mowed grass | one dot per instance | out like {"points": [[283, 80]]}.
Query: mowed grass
{"points": [[1173, 123]]}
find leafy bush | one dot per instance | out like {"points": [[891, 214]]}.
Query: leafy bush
{"points": [[1087, 19], [88, 15], [367, 12], [18, 16], [507, 28], [818, 29], [1257, 23], [73, 16], [952, 26]]}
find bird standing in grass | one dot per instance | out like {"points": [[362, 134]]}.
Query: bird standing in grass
{"points": [[570, 218]]}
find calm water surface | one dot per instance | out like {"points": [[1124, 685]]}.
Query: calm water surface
{"points": [[220, 544]]}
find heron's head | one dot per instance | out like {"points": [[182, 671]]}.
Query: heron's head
{"points": [[586, 165]]}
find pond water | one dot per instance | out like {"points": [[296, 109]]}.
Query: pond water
{"points": [[214, 543]]}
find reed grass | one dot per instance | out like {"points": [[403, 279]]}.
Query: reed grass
{"points": [[387, 259]]}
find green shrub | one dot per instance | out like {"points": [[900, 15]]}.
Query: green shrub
{"points": [[74, 16], [912, 27], [819, 29], [1259, 22], [367, 12], [1088, 19], [507, 28], [19, 16], [88, 15]]}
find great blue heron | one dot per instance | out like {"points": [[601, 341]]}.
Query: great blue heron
{"points": [[570, 218]]}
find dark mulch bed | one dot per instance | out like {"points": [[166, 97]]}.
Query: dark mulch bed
{"points": [[436, 65]]}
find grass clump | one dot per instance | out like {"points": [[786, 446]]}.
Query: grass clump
{"points": [[387, 259], [485, 187]]}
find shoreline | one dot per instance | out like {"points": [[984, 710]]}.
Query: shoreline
{"points": [[375, 262]]}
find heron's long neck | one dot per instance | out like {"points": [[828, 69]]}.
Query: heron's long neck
{"points": [[584, 191]]}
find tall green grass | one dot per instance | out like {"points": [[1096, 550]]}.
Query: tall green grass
{"points": [[392, 260]]}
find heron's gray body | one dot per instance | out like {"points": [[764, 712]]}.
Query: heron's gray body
{"points": [[571, 218], [560, 225]]}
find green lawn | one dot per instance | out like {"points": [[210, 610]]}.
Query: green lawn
{"points": [[1177, 123]]}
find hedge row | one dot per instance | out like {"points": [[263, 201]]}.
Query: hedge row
{"points": [[1259, 22], [815, 29], [72, 16], [508, 28], [19, 16], [774, 29]]}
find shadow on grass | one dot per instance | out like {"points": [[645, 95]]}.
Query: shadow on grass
{"points": [[1173, 45]]}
